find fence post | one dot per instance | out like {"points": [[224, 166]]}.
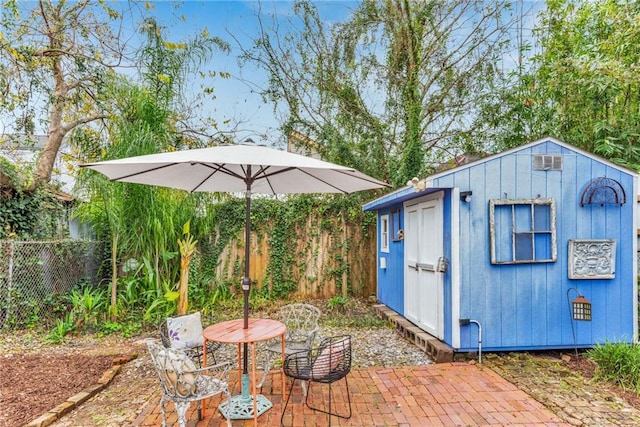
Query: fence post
{"points": [[9, 282]]}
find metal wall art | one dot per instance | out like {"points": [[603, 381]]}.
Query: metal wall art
{"points": [[603, 191], [592, 259]]}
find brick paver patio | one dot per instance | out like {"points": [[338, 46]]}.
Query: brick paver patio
{"points": [[445, 394]]}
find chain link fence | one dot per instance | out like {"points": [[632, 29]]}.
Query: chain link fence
{"points": [[33, 276]]}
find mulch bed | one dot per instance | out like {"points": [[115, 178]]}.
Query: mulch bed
{"points": [[32, 384]]}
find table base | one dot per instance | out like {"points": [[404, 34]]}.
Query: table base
{"points": [[241, 407]]}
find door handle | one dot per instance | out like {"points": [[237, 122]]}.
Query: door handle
{"points": [[424, 266]]}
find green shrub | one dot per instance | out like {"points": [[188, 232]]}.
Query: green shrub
{"points": [[618, 363]]}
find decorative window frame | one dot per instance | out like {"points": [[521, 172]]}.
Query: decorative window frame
{"points": [[384, 233], [533, 232], [592, 259]]}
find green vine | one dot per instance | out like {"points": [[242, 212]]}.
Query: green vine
{"points": [[34, 215], [282, 223]]}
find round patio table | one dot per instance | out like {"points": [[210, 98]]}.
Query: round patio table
{"points": [[246, 406]]}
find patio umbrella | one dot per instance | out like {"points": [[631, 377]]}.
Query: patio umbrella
{"points": [[244, 168]]}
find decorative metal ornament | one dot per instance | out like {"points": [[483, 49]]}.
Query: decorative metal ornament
{"points": [[603, 191], [592, 259]]}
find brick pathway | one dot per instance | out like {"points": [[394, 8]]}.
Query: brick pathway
{"points": [[445, 394]]}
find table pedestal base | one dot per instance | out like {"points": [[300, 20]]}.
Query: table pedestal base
{"points": [[241, 407]]}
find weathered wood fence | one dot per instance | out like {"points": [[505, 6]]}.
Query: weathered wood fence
{"points": [[325, 255]]}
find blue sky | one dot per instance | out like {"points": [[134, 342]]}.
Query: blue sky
{"points": [[231, 20]]}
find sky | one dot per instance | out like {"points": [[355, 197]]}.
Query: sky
{"points": [[236, 22]]}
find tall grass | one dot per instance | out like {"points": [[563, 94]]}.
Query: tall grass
{"points": [[618, 363]]}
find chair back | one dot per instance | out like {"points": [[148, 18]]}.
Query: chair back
{"points": [[301, 321], [177, 373], [332, 360]]}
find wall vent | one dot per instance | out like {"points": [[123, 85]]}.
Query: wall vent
{"points": [[546, 162]]}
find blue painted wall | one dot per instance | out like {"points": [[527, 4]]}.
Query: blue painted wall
{"points": [[391, 279], [526, 306]]}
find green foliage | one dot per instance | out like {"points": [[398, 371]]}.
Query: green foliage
{"points": [[31, 216], [62, 329], [337, 302], [618, 363], [89, 305], [582, 86]]}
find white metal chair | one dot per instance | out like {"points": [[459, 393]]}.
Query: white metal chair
{"points": [[301, 321], [183, 383]]}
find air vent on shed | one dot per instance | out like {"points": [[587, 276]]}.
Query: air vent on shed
{"points": [[544, 162]]}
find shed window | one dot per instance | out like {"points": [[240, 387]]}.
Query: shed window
{"points": [[384, 233], [522, 231]]}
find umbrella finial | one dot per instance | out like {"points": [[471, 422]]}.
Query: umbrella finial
{"points": [[249, 141]]}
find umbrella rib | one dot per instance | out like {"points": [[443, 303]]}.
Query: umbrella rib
{"points": [[218, 168], [120, 178], [261, 174]]}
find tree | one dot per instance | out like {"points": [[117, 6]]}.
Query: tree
{"points": [[583, 86], [56, 57], [391, 90]]}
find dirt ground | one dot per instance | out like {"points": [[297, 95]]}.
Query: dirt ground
{"points": [[35, 378]]}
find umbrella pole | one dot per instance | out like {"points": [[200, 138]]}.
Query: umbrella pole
{"points": [[246, 280], [242, 407]]}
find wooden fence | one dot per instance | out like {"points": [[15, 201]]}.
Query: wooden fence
{"points": [[325, 254]]}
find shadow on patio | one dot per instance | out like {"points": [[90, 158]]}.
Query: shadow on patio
{"points": [[446, 394]]}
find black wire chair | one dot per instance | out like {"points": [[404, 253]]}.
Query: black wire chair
{"points": [[194, 352], [325, 364]]}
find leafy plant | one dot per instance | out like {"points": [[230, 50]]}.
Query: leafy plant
{"points": [[88, 304], [62, 329], [337, 302], [618, 363]]}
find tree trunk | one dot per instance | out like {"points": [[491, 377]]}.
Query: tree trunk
{"points": [[57, 130]]}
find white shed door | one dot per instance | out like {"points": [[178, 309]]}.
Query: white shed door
{"points": [[423, 293]]}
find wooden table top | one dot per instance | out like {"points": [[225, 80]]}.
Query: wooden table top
{"points": [[232, 331]]}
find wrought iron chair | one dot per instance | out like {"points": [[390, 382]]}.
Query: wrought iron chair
{"points": [[326, 364], [183, 383], [185, 333], [301, 321]]}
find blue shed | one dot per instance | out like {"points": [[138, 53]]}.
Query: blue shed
{"points": [[530, 249]]}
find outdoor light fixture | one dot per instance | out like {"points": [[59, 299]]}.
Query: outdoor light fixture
{"points": [[465, 196], [581, 308]]}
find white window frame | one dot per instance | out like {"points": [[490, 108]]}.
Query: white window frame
{"points": [[532, 230], [384, 233]]}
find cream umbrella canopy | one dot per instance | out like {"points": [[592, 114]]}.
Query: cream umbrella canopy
{"points": [[238, 168]]}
